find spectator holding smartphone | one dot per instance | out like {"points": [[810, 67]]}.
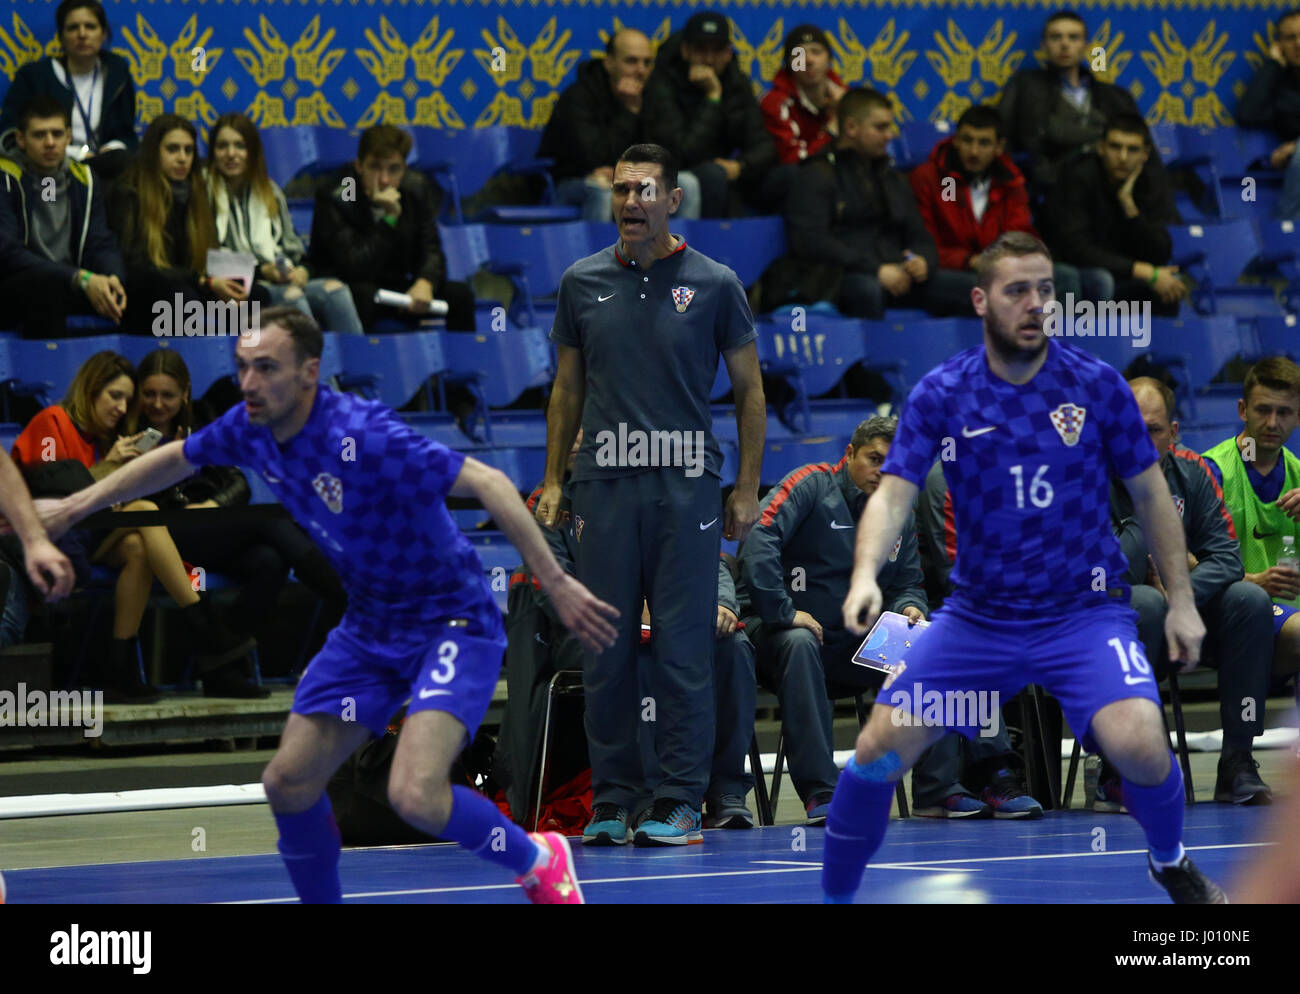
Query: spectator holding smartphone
{"points": [[85, 428]]}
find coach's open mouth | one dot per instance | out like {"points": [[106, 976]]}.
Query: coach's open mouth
{"points": [[633, 222]]}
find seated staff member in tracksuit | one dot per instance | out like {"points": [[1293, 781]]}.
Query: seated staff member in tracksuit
{"points": [[1237, 613], [797, 564]]}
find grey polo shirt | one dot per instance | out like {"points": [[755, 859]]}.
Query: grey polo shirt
{"points": [[650, 341]]}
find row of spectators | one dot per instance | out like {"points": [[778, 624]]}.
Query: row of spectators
{"points": [[137, 249], [103, 423]]}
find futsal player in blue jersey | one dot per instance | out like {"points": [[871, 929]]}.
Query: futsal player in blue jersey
{"points": [[421, 622], [1030, 432]]}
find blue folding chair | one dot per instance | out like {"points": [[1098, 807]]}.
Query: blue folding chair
{"points": [[288, 152], [496, 367], [1214, 255], [748, 244], [1198, 346], [536, 256], [392, 368], [918, 139], [781, 456], [1276, 336], [44, 369], [208, 360]]}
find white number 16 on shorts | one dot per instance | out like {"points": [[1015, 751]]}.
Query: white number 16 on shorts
{"points": [[1135, 660]]}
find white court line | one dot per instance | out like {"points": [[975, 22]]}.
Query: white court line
{"points": [[787, 866], [803, 867]]}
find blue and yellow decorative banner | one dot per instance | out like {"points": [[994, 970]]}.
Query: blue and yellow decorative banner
{"points": [[354, 63]]}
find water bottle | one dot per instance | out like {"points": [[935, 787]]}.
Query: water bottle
{"points": [[1287, 557]]}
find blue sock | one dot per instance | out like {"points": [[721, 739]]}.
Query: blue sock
{"points": [[478, 825], [1159, 810], [855, 825], [309, 843]]}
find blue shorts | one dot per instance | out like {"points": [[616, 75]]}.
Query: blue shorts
{"points": [[1281, 612], [355, 680], [1085, 660]]}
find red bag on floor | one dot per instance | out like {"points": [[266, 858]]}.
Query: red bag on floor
{"points": [[566, 809]]}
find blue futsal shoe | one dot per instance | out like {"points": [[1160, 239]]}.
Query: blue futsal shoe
{"points": [[669, 823], [608, 826], [1008, 799], [956, 806]]}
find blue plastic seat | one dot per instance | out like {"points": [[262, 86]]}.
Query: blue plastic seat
{"points": [[1201, 438], [918, 139], [538, 254], [747, 244], [497, 366], [207, 359], [1196, 349], [1219, 253], [392, 368], [1276, 336], [906, 346], [780, 456], [814, 359], [45, 369], [465, 247], [288, 152]]}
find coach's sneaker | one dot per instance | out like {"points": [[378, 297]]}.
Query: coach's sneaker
{"points": [[1186, 884], [2, 888], [670, 823], [1238, 783], [608, 826], [1008, 798], [728, 811], [956, 806], [818, 807], [555, 882]]}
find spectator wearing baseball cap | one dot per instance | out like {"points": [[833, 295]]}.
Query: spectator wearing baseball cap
{"points": [[701, 107], [799, 110]]}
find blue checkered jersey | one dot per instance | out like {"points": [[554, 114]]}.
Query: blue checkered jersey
{"points": [[1028, 468], [371, 492]]}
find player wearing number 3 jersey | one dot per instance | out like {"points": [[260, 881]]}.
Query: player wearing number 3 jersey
{"points": [[420, 624], [1030, 432]]}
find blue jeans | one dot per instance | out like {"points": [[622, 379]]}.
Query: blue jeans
{"points": [[1086, 284], [1288, 206], [13, 621], [593, 198], [333, 309]]}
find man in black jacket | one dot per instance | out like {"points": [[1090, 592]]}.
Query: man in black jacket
{"points": [[1272, 100], [594, 120], [58, 255], [1112, 211], [701, 107], [1060, 110], [1238, 615], [853, 214], [375, 228]]}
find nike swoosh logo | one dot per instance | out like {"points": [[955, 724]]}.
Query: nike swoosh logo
{"points": [[603, 299], [426, 694], [1255, 531], [967, 433], [709, 525], [835, 525]]}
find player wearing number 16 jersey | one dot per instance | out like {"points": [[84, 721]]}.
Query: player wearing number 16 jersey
{"points": [[1030, 432], [420, 622]]}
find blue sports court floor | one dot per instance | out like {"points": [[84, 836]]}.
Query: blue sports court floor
{"points": [[1061, 858]]}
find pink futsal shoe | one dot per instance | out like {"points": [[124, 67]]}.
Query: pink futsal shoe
{"points": [[555, 883]]}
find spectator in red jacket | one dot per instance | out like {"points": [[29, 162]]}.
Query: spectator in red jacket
{"points": [[969, 192], [799, 110]]}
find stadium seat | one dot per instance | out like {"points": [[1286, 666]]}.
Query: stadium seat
{"points": [[815, 358], [721, 383], [782, 455], [1275, 336], [207, 359], [535, 256], [837, 417], [1279, 248], [44, 369], [1213, 410], [499, 559], [747, 244], [392, 368], [464, 161], [918, 139], [1202, 438], [1215, 254], [904, 346], [519, 428], [288, 152], [1199, 347], [465, 247], [1165, 137], [497, 366]]}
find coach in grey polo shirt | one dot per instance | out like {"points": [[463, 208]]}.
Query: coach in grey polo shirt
{"points": [[639, 328]]}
